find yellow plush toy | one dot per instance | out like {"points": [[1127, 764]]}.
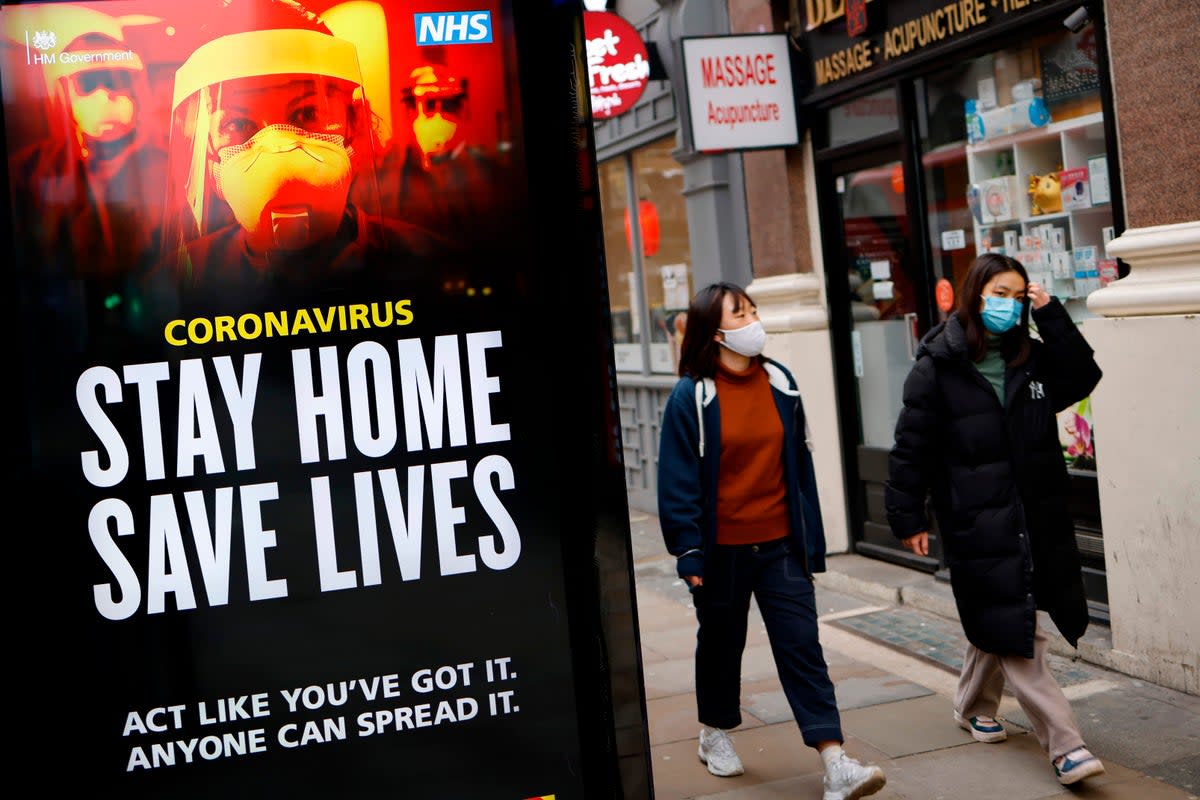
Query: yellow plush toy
{"points": [[1045, 193]]}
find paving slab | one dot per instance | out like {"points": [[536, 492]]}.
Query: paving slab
{"points": [[908, 726], [879, 653], [770, 753], [1181, 772], [673, 719], [758, 662], [668, 677], [808, 785], [1136, 788], [863, 692], [830, 601], [1143, 731]]}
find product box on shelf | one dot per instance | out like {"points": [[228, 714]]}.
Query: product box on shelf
{"points": [[1051, 284], [1098, 179], [1062, 265], [1086, 281], [1031, 260], [1107, 268], [1087, 273], [1017, 116], [1058, 239], [1107, 234], [998, 199], [1076, 191]]}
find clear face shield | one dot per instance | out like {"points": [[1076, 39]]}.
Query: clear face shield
{"points": [[269, 151]]}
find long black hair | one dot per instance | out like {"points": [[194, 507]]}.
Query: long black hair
{"points": [[698, 353], [1014, 344]]}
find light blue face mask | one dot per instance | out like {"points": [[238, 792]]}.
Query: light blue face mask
{"points": [[1001, 314]]}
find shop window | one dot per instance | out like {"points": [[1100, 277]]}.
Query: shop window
{"points": [[625, 317], [864, 118], [1015, 161], [652, 287]]}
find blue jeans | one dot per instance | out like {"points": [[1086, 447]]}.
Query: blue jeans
{"points": [[775, 576]]}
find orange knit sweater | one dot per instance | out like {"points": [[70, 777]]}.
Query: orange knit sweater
{"points": [[751, 496]]}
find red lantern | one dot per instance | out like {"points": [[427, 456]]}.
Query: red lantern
{"points": [[648, 219]]}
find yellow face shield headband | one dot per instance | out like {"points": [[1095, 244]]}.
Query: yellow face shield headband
{"points": [[258, 53]]}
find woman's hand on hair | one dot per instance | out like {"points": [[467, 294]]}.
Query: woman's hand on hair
{"points": [[1037, 295]]}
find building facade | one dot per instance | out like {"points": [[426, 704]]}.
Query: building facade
{"points": [[932, 132]]}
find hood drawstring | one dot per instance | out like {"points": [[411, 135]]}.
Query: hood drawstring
{"points": [[706, 392]]}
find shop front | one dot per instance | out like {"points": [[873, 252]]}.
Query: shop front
{"points": [[931, 132], [940, 132], [667, 212]]}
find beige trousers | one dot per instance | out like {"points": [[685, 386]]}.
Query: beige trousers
{"points": [[982, 681]]}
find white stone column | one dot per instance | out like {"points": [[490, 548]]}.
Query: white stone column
{"points": [[792, 312], [1146, 412]]}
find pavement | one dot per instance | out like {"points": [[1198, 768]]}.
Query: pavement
{"points": [[894, 646]]}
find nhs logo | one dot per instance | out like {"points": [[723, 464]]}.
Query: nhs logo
{"points": [[454, 27]]}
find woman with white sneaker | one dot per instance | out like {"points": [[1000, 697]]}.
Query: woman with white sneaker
{"points": [[979, 433], [738, 505]]}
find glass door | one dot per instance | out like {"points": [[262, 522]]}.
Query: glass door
{"points": [[879, 311]]}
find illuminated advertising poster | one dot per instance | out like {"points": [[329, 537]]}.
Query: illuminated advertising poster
{"points": [[317, 463]]}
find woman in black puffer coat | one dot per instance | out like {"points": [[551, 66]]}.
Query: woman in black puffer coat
{"points": [[979, 433]]}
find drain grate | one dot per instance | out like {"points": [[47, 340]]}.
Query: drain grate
{"points": [[929, 638]]}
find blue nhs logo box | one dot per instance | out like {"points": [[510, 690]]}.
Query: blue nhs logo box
{"points": [[454, 27]]}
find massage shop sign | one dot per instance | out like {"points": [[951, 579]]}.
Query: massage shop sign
{"points": [[847, 39], [740, 94]]}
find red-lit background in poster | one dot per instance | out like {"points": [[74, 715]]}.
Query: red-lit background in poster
{"points": [[120, 201]]}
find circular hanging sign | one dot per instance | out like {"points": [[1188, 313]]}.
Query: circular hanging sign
{"points": [[944, 291], [618, 66]]}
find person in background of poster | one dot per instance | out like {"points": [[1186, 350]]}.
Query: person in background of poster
{"points": [[270, 128], [978, 432], [79, 194], [435, 176], [737, 500]]}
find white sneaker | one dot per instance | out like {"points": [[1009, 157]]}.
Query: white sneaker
{"points": [[846, 779], [716, 750]]}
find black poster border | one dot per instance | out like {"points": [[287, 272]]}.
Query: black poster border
{"points": [[588, 501]]}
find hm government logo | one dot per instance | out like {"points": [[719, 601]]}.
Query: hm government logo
{"points": [[42, 40], [454, 27], [39, 44]]}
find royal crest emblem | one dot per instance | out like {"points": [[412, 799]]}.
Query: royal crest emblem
{"points": [[44, 40]]}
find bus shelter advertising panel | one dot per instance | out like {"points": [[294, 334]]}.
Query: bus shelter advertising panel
{"points": [[319, 479]]}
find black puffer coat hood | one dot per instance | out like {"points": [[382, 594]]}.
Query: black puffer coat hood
{"points": [[998, 479]]}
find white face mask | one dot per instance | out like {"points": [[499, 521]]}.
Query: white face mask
{"points": [[749, 340], [286, 186]]}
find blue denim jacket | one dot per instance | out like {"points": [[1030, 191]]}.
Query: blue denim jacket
{"points": [[689, 455]]}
